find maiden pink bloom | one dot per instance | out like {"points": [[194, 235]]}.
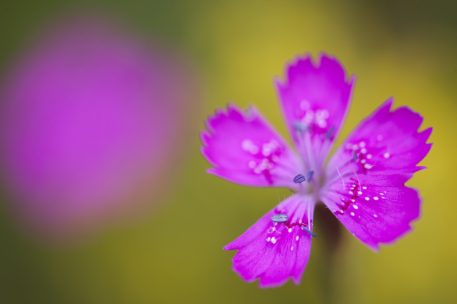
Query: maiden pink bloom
{"points": [[363, 184]]}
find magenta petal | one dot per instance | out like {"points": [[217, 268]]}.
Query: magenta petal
{"points": [[387, 142], [272, 251], [366, 177], [315, 99], [376, 208], [244, 149]]}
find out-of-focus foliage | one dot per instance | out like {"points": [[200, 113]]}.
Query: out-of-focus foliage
{"points": [[175, 254]]}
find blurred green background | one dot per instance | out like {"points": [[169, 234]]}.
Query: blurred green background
{"points": [[174, 255]]}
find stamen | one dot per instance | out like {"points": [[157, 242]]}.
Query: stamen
{"points": [[299, 178], [309, 231], [330, 132], [279, 218], [309, 175], [355, 156], [300, 126]]}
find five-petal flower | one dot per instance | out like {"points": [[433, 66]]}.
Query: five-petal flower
{"points": [[363, 184]]}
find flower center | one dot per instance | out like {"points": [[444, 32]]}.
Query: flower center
{"points": [[308, 183]]}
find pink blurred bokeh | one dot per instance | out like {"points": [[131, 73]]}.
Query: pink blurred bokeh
{"points": [[92, 118]]}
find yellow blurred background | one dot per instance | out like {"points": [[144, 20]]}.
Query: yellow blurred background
{"points": [[174, 253]]}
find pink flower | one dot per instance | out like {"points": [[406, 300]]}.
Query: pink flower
{"points": [[363, 184], [91, 118]]}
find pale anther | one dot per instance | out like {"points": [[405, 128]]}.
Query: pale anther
{"points": [[309, 175], [309, 231], [300, 126], [279, 218], [299, 178]]}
